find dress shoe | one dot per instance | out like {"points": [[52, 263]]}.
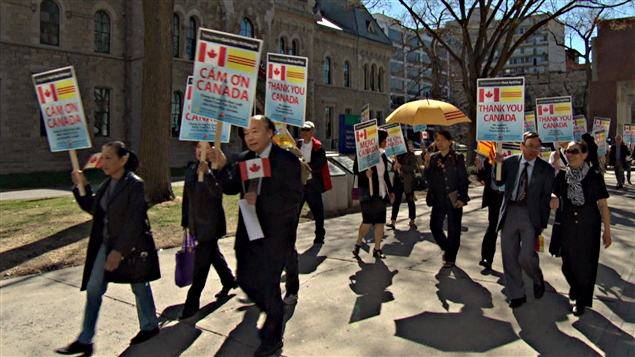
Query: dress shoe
{"points": [[268, 350], [318, 240], [144, 335], [76, 347], [578, 310], [517, 302], [377, 253], [356, 250], [391, 225], [187, 313], [539, 289], [485, 264], [572, 296], [226, 288]]}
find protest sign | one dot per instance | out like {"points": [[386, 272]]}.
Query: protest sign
{"points": [[579, 126], [601, 124], [628, 134], [500, 109], [197, 127], [418, 128], [365, 113], [225, 76], [395, 143], [554, 119], [282, 137], [530, 121], [62, 110], [366, 144], [600, 140], [285, 97]]}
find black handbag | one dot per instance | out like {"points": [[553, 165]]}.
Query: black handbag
{"points": [[140, 264]]}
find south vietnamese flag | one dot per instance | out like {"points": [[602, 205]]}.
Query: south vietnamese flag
{"points": [[255, 168], [47, 93], [277, 72], [211, 53]]}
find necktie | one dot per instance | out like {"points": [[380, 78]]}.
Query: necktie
{"points": [[521, 192]]}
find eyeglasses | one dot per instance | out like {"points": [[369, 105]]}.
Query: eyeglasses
{"points": [[532, 147], [303, 129], [572, 151]]}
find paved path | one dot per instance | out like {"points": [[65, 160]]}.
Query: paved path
{"points": [[405, 305]]}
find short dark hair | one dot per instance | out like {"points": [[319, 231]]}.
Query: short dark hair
{"points": [[383, 135], [446, 134], [531, 135]]}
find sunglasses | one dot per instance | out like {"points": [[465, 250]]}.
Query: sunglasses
{"points": [[305, 129], [572, 151]]}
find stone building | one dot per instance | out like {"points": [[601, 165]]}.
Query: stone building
{"points": [[348, 58]]}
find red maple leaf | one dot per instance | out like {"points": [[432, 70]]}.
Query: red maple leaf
{"points": [[276, 71], [488, 94], [70, 143], [545, 109], [205, 136], [221, 115], [254, 168], [47, 93], [500, 136], [211, 53], [284, 118]]}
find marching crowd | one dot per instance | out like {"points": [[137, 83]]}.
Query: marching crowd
{"points": [[519, 199]]}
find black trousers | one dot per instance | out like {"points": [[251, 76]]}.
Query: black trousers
{"points": [[313, 196], [292, 271], [488, 247], [398, 189], [450, 243], [206, 255]]}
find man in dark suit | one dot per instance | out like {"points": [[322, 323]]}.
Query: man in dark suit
{"points": [[618, 155], [524, 214], [277, 199], [492, 199]]}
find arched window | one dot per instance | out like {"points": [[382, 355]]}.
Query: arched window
{"points": [[177, 106], [49, 23], [327, 70], [380, 80], [176, 35], [372, 77], [102, 32], [365, 77], [294, 48], [347, 75], [190, 39], [282, 46], [246, 28]]}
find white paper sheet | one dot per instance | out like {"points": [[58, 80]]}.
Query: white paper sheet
{"points": [[254, 231]]}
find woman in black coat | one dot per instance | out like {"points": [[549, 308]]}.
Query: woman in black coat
{"points": [[374, 206], [119, 211], [203, 214]]}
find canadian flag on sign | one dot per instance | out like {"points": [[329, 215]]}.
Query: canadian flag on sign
{"points": [[94, 161], [277, 72], [361, 134], [254, 168], [47, 93], [545, 109], [213, 54], [488, 95]]}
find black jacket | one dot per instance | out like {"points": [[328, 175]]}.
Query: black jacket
{"points": [[202, 210], [277, 206], [445, 175], [485, 175], [624, 154], [127, 214]]}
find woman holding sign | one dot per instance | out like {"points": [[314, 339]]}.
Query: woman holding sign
{"points": [[374, 206], [580, 197], [119, 211], [404, 167]]}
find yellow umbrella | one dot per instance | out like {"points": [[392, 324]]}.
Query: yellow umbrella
{"points": [[429, 112]]}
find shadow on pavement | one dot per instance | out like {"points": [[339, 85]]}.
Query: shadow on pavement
{"points": [[18, 255], [484, 333], [406, 241], [171, 341], [611, 283], [605, 335], [243, 339], [309, 260], [371, 283], [172, 313], [537, 320]]}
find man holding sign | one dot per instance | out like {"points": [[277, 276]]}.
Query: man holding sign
{"points": [[268, 178]]}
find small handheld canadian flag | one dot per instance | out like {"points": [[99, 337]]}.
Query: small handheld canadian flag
{"points": [[94, 161], [254, 168]]}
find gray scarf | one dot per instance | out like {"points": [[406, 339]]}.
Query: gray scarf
{"points": [[574, 178]]}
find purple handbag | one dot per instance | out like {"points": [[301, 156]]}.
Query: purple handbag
{"points": [[184, 272]]}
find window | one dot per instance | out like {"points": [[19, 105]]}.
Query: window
{"points": [[372, 77], [246, 28], [347, 75], [177, 105], [328, 121], [379, 117], [49, 23], [102, 112], [365, 77], [102, 32], [348, 111], [176, 36], [380, 80], [190, 39], [294, 48], [282, 46], [327, 71]]}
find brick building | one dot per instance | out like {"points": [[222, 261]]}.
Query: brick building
{"points": [[348, 58]]}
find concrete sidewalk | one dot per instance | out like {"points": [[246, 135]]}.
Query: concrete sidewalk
{"points": [[405, 305]]}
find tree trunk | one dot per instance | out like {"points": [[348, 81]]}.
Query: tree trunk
{"points": [[154, 150]]}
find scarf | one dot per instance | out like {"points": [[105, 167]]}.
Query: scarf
{"points": [[574, 178]]}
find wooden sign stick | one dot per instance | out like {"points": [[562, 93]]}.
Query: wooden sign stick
{"points": [[499, 166], [201, 175], [75, 162], [217, 140]]}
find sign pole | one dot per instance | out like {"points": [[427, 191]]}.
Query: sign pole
{"points": [[217, 141], [499, 166], [370, 185], [73, 153], [201, 175]]}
